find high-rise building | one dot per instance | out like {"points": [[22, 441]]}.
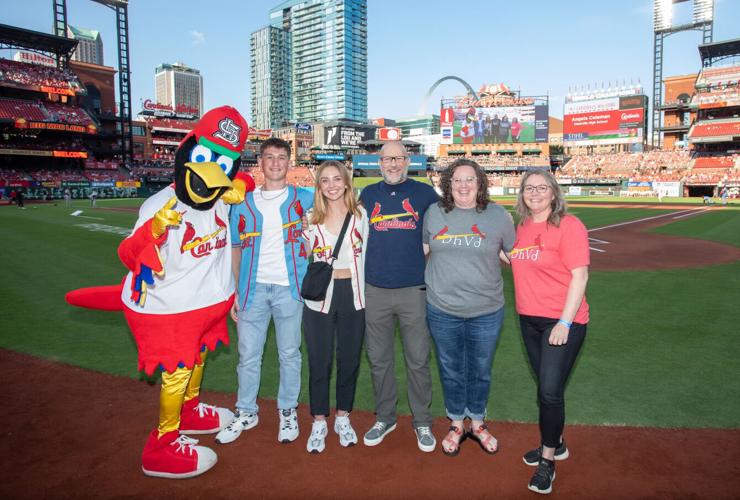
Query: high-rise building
{"points": [[90, 45], [328, 59], [179, 86], [271, 77]]}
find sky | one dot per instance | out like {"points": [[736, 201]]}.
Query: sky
{"points": [[540, 47]]}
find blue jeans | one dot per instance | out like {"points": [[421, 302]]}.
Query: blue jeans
{"points": [[465, 349], [277, 302]]}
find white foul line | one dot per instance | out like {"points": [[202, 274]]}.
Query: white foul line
{"points": [[693, 213], [599, 241], [597, 249], [691, 210]]}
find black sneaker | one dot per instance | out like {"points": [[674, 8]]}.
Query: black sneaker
{"points": [[532, 457], [543, 477]]}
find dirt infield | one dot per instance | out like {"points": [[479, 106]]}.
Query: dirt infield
{"points": [[74, 433], [629, 246]]}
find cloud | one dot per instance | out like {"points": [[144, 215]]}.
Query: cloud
{"points": [[197, 37]]}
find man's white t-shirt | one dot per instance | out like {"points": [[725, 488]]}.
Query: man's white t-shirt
{"points": [[271, 268]]}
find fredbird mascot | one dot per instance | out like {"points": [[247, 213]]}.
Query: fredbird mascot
{"points": [[179, 289]]}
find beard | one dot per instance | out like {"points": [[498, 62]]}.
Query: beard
{"points": [[404, 175]]}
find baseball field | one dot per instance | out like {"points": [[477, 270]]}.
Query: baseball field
{"points": [[661, 361]]}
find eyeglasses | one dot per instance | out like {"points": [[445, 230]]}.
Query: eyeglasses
{"points": [[391, 159], [542, 189], [463, 180]]}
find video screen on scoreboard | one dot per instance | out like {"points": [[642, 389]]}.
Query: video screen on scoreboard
{"points": [[612, 120], [495, 125]]}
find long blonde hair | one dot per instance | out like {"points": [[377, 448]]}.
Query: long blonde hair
{"points": [[319, 202], [558, 206]]}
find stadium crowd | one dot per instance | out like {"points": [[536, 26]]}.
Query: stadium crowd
{"points": [[36, 75]]}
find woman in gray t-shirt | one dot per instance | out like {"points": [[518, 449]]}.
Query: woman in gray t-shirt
{"points": [[464, 234]]}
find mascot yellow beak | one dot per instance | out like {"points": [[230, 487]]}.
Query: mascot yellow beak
{"points": [[211, 174]]}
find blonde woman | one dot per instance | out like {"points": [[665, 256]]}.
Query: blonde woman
{"points": [[340, 316], [549, 262]]}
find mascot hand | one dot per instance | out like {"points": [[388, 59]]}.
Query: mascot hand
{"points": [[165, 217], [233, 196], [242, 184]]}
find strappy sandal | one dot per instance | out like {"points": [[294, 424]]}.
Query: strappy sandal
{"points": [[450, 446], [487, 442]]}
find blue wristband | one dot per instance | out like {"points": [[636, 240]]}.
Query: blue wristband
{"points": [[565, 323]]}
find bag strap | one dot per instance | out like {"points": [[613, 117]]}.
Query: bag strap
{"points": [[338, 245]]}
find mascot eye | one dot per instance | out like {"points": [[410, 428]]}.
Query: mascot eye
{"points": [[226, 163], [200, 154]]}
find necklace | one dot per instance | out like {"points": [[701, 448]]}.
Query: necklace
{"points": [[275, 197]]}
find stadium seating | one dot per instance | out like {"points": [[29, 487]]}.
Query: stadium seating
{"points": [[12, 109], [68, 114], [665, 164], [729, 128], [34, 75]]}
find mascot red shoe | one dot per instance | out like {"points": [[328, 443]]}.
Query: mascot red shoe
{"points": [[179, 289]]}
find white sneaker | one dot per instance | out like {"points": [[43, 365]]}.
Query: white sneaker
{"points": [[242, 421], [288, 425], [347, 435], [317, 439]]}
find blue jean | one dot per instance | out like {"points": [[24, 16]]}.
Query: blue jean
{"points": [[465, 349], [276, 302]]}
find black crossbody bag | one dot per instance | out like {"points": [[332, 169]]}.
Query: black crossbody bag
{"points": [[319, 273]]}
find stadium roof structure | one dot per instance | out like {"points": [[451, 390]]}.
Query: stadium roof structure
{"points": [[719, 50], [13, 37]]}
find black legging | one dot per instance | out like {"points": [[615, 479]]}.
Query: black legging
{"points": [[319, 330], [552, 365]]}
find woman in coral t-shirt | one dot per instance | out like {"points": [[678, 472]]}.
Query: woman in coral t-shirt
{"points": [[550, 265]]}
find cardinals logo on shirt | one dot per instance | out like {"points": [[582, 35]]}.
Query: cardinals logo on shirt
{"points": [[385, 222], [201, 246], [474, 238], [527, 253]]}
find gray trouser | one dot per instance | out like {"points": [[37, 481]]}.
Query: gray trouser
{"points": [[382, 307]]}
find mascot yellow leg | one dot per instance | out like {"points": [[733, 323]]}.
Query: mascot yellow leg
{"points": [[171, 399]]}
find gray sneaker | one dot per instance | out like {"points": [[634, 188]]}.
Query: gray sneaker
{"points": [[425, 438], [377, 433]]}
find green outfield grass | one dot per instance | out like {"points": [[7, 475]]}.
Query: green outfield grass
{"points": [[661, 351]]}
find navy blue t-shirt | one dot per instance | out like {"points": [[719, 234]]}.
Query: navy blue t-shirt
{"points": [[395, 256]]}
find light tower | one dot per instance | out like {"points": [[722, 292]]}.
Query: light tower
{"points": [[702, 19]]}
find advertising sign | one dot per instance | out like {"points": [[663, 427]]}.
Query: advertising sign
{"points": [[347, 137], [60, 127], [69, 154], [496, 125], [323, 157], [33, 58], [612, 120], [152, 108], [372, 162], [389, 134], [303, 128], [446, 117]]}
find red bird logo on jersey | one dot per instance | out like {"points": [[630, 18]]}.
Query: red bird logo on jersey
{"points": [[203, 246], [385, 222]]}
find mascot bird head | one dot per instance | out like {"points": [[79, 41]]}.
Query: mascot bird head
{"points": [[208, 159]]}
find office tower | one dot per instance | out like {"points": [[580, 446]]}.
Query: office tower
{"points": [[178, 85], [270, 81], [327, 40], [89, 47]]}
